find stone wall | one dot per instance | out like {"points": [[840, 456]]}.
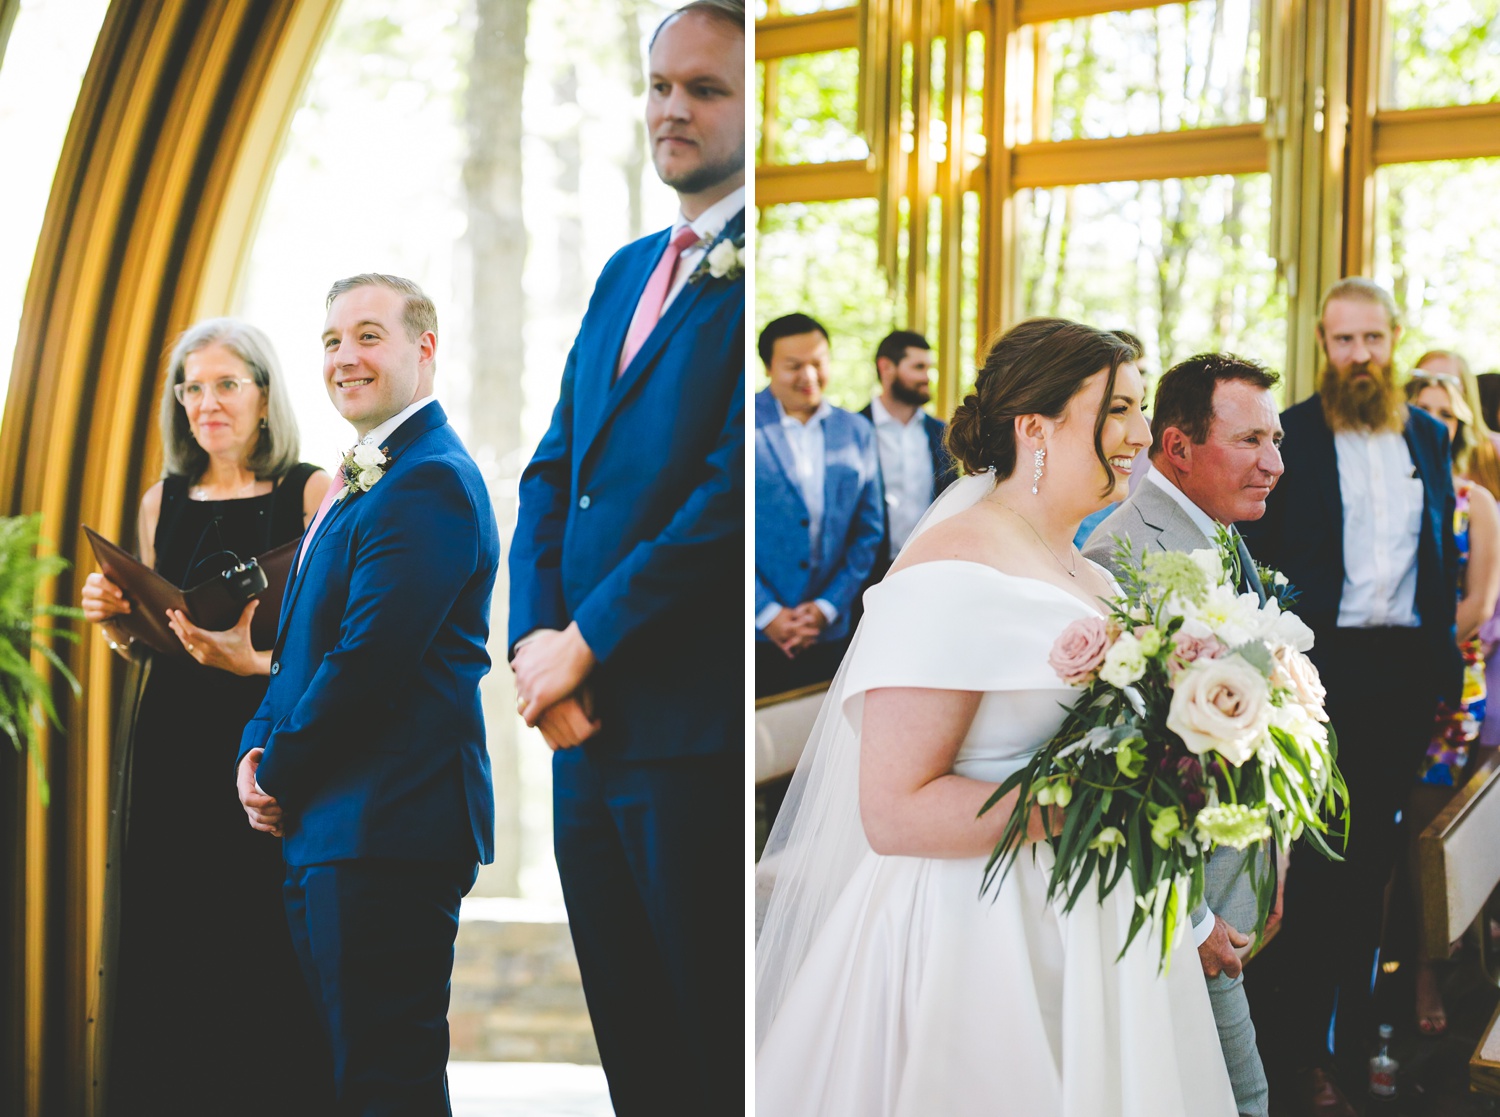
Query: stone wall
{"points": [[516, 993]]}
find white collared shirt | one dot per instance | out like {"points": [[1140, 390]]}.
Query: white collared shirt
{"points": [[905, 468], [809, 459], [708, 225], [1382, 498], [391, 425]]}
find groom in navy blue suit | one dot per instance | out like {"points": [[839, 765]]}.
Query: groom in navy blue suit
{"points": [[627, 605], [367, 755]]}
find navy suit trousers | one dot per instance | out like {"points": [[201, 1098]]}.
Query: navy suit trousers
{"points": [[375, 940], [651, 859]]}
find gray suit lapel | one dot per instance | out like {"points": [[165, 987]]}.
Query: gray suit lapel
{"points": [[1174, 527]]}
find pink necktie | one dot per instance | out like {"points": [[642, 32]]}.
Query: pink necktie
{"points": [[328, 498], [654, 297]]}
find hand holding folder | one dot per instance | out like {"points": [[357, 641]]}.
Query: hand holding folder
{"points": [[211, 604]]}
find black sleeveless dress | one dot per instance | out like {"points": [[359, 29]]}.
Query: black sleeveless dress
{"points": [[210, 1013]]}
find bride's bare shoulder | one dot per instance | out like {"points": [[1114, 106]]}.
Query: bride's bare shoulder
{"points": [[973, 535]]}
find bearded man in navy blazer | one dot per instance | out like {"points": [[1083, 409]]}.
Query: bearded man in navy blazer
{"points": [[1361, 524], [367, 755], [627, 575]]}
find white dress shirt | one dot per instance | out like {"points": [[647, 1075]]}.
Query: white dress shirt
{"points": [[1382, 498], [708, 225], [391, 425], [905, 468], [810, 458]]}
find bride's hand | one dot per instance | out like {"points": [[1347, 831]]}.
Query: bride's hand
{"points": [[1045, 822]]}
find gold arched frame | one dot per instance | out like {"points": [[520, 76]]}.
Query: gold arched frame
{"points": [[153, 208]]}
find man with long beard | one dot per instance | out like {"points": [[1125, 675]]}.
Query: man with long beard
{"points": [[1362, 526]]}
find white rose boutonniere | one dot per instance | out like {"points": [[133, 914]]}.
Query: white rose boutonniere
{"points": [[724, 260], [362, 467]]}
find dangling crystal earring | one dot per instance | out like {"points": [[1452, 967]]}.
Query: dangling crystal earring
{"points": [[1039, 457]]}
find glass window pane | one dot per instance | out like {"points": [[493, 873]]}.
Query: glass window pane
{"points": [[1443, 52], [1191, 65], [50, 45], [1181, 263], [1436, 228], [816, 107], [819, 258]]}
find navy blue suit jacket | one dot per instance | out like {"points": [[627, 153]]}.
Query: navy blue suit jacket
{"points": [[786, 570], [1302, 532], [371, 723], [632, 513]]}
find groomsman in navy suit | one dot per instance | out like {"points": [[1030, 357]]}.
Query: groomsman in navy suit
{"points": [[915, 465], [1362, 526], [819, 515], [627, 605], [367, 754]]}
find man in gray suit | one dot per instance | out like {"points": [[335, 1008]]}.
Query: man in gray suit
{"points": [[1215, 457]]}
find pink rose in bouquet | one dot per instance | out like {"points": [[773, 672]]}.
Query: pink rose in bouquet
{"points": [[1187, 648], [1079, 651]]}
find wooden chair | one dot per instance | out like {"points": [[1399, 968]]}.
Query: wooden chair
{"points": [[1459, 854]]}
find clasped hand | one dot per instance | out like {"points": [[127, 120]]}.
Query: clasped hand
{"points": [[551, 667], [262, 809], [793, 630]]}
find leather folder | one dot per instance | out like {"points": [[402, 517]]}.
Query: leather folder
{"points": [[208, 605]]}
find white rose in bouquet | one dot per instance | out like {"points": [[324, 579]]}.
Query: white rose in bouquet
{"points": [[1293, 671], [1221, 705], [1124, 663]]}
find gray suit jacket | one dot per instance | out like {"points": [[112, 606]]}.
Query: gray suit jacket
{"points": [[1151, 520]]}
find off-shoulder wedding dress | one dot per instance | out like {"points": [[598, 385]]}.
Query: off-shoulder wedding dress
{"points": [[888, 986]]}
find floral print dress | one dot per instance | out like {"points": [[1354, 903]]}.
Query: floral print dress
{"points": [[1455, 731]]}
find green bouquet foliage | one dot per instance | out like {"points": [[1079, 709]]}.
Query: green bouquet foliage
{"points": [[1200, 723]]}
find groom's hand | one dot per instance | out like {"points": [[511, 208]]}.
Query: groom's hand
{"points": [[263, 811], [570, 722], [550, 666], [1218, 950]]}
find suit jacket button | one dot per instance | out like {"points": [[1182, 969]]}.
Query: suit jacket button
{"points": [[584, 501], [275, 668], [806, 522], [804, 564]]}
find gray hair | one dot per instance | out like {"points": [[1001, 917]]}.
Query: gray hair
{"points": [[725, 11], [418, 314], [278, 446]]}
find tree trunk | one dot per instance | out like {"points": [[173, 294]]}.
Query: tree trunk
{"points": [[634, 164], [497, 239]]}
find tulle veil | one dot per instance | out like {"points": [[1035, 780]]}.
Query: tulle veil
{"points": [[818, 838]]}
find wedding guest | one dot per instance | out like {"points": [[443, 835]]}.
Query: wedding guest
{"points": [[627, 607], [1450, 755], [915, 466], [818, 511], [204, 970], [1483, 456], [1215, 457], [1362, 526]]}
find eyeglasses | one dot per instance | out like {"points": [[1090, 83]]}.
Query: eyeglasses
{"points": [[191, 393]]}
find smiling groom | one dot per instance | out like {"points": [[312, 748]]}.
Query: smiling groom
{"points": [[367, 754], [627, 605]]}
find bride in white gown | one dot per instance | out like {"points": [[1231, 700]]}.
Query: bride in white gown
{"points": [[886, 985]]}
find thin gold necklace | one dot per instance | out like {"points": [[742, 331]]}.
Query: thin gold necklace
{"points": [[1071, 573]]}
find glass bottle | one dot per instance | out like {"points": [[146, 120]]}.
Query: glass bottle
{"points": [[1383, 1068]]}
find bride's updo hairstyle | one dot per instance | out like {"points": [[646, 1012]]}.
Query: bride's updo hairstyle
{"points": [[1035, 368]]}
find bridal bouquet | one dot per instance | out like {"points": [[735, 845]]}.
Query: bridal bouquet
{"points": [[1201, 724]]}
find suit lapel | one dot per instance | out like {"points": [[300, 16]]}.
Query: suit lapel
{"points": [[613, 392], [769, 421], [429, 418]]}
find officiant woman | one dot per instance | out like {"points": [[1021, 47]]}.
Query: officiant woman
{"points": [[205, 1011]]}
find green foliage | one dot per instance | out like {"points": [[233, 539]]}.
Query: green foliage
{"points": [[25, 695], [819, 258], [1444, 52], [816, 109], [1435, 231]]}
